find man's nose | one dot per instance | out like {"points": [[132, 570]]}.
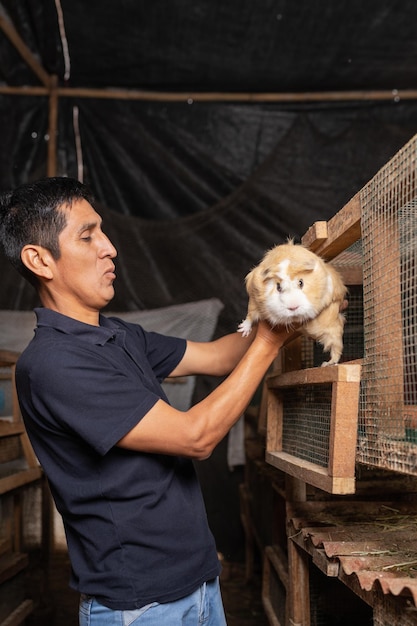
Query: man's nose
{"points": [[108, 248]]}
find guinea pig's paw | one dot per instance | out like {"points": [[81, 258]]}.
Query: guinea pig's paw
{"points": [[245, 328], [331, 362]]}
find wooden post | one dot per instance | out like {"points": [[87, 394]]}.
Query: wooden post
{"points": [[383, 363], [298, 598]]}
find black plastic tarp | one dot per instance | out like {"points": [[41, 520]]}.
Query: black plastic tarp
{"points": [[193, 191], [192, 195]]}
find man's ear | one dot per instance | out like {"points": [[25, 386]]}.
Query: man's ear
{"points": [[38, 260]]}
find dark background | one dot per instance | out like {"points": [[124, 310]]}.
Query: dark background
{"points": [[312, 99]]}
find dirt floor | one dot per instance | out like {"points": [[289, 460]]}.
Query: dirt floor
{"points": [[242, 601]]}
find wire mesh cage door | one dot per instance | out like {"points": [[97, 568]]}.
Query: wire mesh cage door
{"points": [[388, 400]]}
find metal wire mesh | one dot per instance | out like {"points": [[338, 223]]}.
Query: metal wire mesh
{"points": [[312, 352], [306, 422], [388, 402], [381, 327]]}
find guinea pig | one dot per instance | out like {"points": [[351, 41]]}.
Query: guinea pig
{"points": [[292, 287]]}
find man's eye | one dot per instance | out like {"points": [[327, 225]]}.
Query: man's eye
{"points": [[85, 238]]}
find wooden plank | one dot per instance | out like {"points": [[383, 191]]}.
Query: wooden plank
{"points": [[5, 545], [28, 452], [271, 560], [11, 564], [383, 322], [8, 357], [342, 231], [344, 372], [329, 567], [298, 587], [263, 411], [274, 421], [316, 235], [311, 473], [343, 429], [198, 96], [9, 429], [19, 615], [248, 532], [279, 561], [269, 611], [8, 483]]}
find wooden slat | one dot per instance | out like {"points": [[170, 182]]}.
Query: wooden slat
{"points": [[342, 231], [18, 616], [5, 545], [311, 473], [274, 422], [11, 564], [8, 357], [273, 558], [298, 588], [344, 372], [316, 235], [279, 562], [8, 483], [8, 429], [343, 429]]}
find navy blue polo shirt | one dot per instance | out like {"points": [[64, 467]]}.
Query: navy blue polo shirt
{"points": [[135, 522]]}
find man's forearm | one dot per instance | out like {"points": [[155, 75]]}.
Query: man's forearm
{"points": [[217, 413]]}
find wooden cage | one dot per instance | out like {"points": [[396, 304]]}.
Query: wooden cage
{"points": [[370, 399]]}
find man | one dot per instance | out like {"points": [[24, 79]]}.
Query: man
{"points": [[117, 456]]}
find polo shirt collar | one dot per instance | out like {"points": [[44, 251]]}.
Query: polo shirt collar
{"points": [[98, 335]]}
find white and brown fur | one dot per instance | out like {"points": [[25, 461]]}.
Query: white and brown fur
{"points": [[294, 287]]}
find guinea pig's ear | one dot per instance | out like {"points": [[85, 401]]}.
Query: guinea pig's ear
{"points": [[268, 274], [249, 279], [308, 265], [254, 279]]}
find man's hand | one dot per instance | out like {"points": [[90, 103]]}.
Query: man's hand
{"points": [[278, 335]]}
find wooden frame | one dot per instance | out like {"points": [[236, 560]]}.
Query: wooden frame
{"points": [[274, 564], [19, 468], [339, 476], [13, 427]]}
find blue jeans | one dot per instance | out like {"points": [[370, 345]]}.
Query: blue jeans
{"points": [[204, 607]]}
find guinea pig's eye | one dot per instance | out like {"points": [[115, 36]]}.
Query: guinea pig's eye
{"points": [[301, 283], [279, 287]]}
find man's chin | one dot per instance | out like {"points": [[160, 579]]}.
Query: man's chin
{"points": [[109, 296]]}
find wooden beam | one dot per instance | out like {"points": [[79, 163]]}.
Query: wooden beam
{"points": [[23, 91], [26, 54], [196, 96], [342, 231], [192, 96]]}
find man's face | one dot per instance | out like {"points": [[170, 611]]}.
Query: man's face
{"points": [[83, 276]]}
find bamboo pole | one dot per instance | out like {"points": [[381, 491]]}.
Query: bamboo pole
{"points": [[204, 96], [27, 55], [193, 96]]}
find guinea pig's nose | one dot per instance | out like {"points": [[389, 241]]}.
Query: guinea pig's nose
{"points": [[293, 307]]}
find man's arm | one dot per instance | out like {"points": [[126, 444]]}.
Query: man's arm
{"points": [[213, 358], [196, 432]]}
